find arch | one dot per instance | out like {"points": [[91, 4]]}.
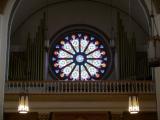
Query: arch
{"points": [[93, 35], [141, 2]]}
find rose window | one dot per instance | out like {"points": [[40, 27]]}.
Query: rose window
{"points": [[80, 55]]}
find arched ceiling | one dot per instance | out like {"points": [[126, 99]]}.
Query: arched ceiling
{"points": [[26, 8]]}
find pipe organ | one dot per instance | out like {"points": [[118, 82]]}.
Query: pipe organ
{"points": [[133, 64], [30, 64]]}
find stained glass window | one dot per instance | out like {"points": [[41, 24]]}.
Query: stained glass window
{"points": [[80, 55]]}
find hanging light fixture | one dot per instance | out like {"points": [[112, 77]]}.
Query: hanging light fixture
{"points": [[133, 106], [23, 106]]}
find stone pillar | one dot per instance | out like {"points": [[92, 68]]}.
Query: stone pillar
{"points": [[4, 22], [1, 72], [157, 81], [43, 116]]}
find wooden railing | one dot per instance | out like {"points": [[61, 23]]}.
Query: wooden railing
{"points": [[94, 87]]}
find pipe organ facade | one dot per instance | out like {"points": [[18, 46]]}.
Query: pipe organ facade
{"points": [[30, 63]]}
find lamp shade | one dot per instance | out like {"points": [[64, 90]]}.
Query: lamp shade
{"points": [[133, 106], [23, 106]]}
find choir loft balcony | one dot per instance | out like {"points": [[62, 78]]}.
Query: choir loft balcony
{"points": [[62, 96], [81, 87]]}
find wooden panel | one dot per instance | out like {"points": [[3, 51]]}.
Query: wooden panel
{"points": [[116, 116], [140, 116], [80, 116], [17, 116]]}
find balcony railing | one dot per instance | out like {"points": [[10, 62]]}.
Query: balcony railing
{"points": [[81, 87]]}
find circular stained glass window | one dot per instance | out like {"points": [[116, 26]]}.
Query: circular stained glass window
{"points": [[80, 55]]}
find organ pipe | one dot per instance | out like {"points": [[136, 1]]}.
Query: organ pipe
{"points": [[29, 65], [128, 62]]}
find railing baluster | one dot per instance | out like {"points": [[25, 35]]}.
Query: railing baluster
{"points": [[88, 87], [91, 83], [95, 87], [117, 87], [77, 87], [125, 87], [55, 87], [106, 87], [51, 87], [65, 87], [136, 88], [121, 87], [110, 87], [102, 87], [62, 87], [73, 87], [81, 87], [113, 87], [129, 88], [144, 89]]}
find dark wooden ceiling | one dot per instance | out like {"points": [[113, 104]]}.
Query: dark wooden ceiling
{"points": [[2, 5]]}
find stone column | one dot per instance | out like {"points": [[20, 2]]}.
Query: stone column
{"points": [[157, 81], [4, 22], [1, 72]]}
